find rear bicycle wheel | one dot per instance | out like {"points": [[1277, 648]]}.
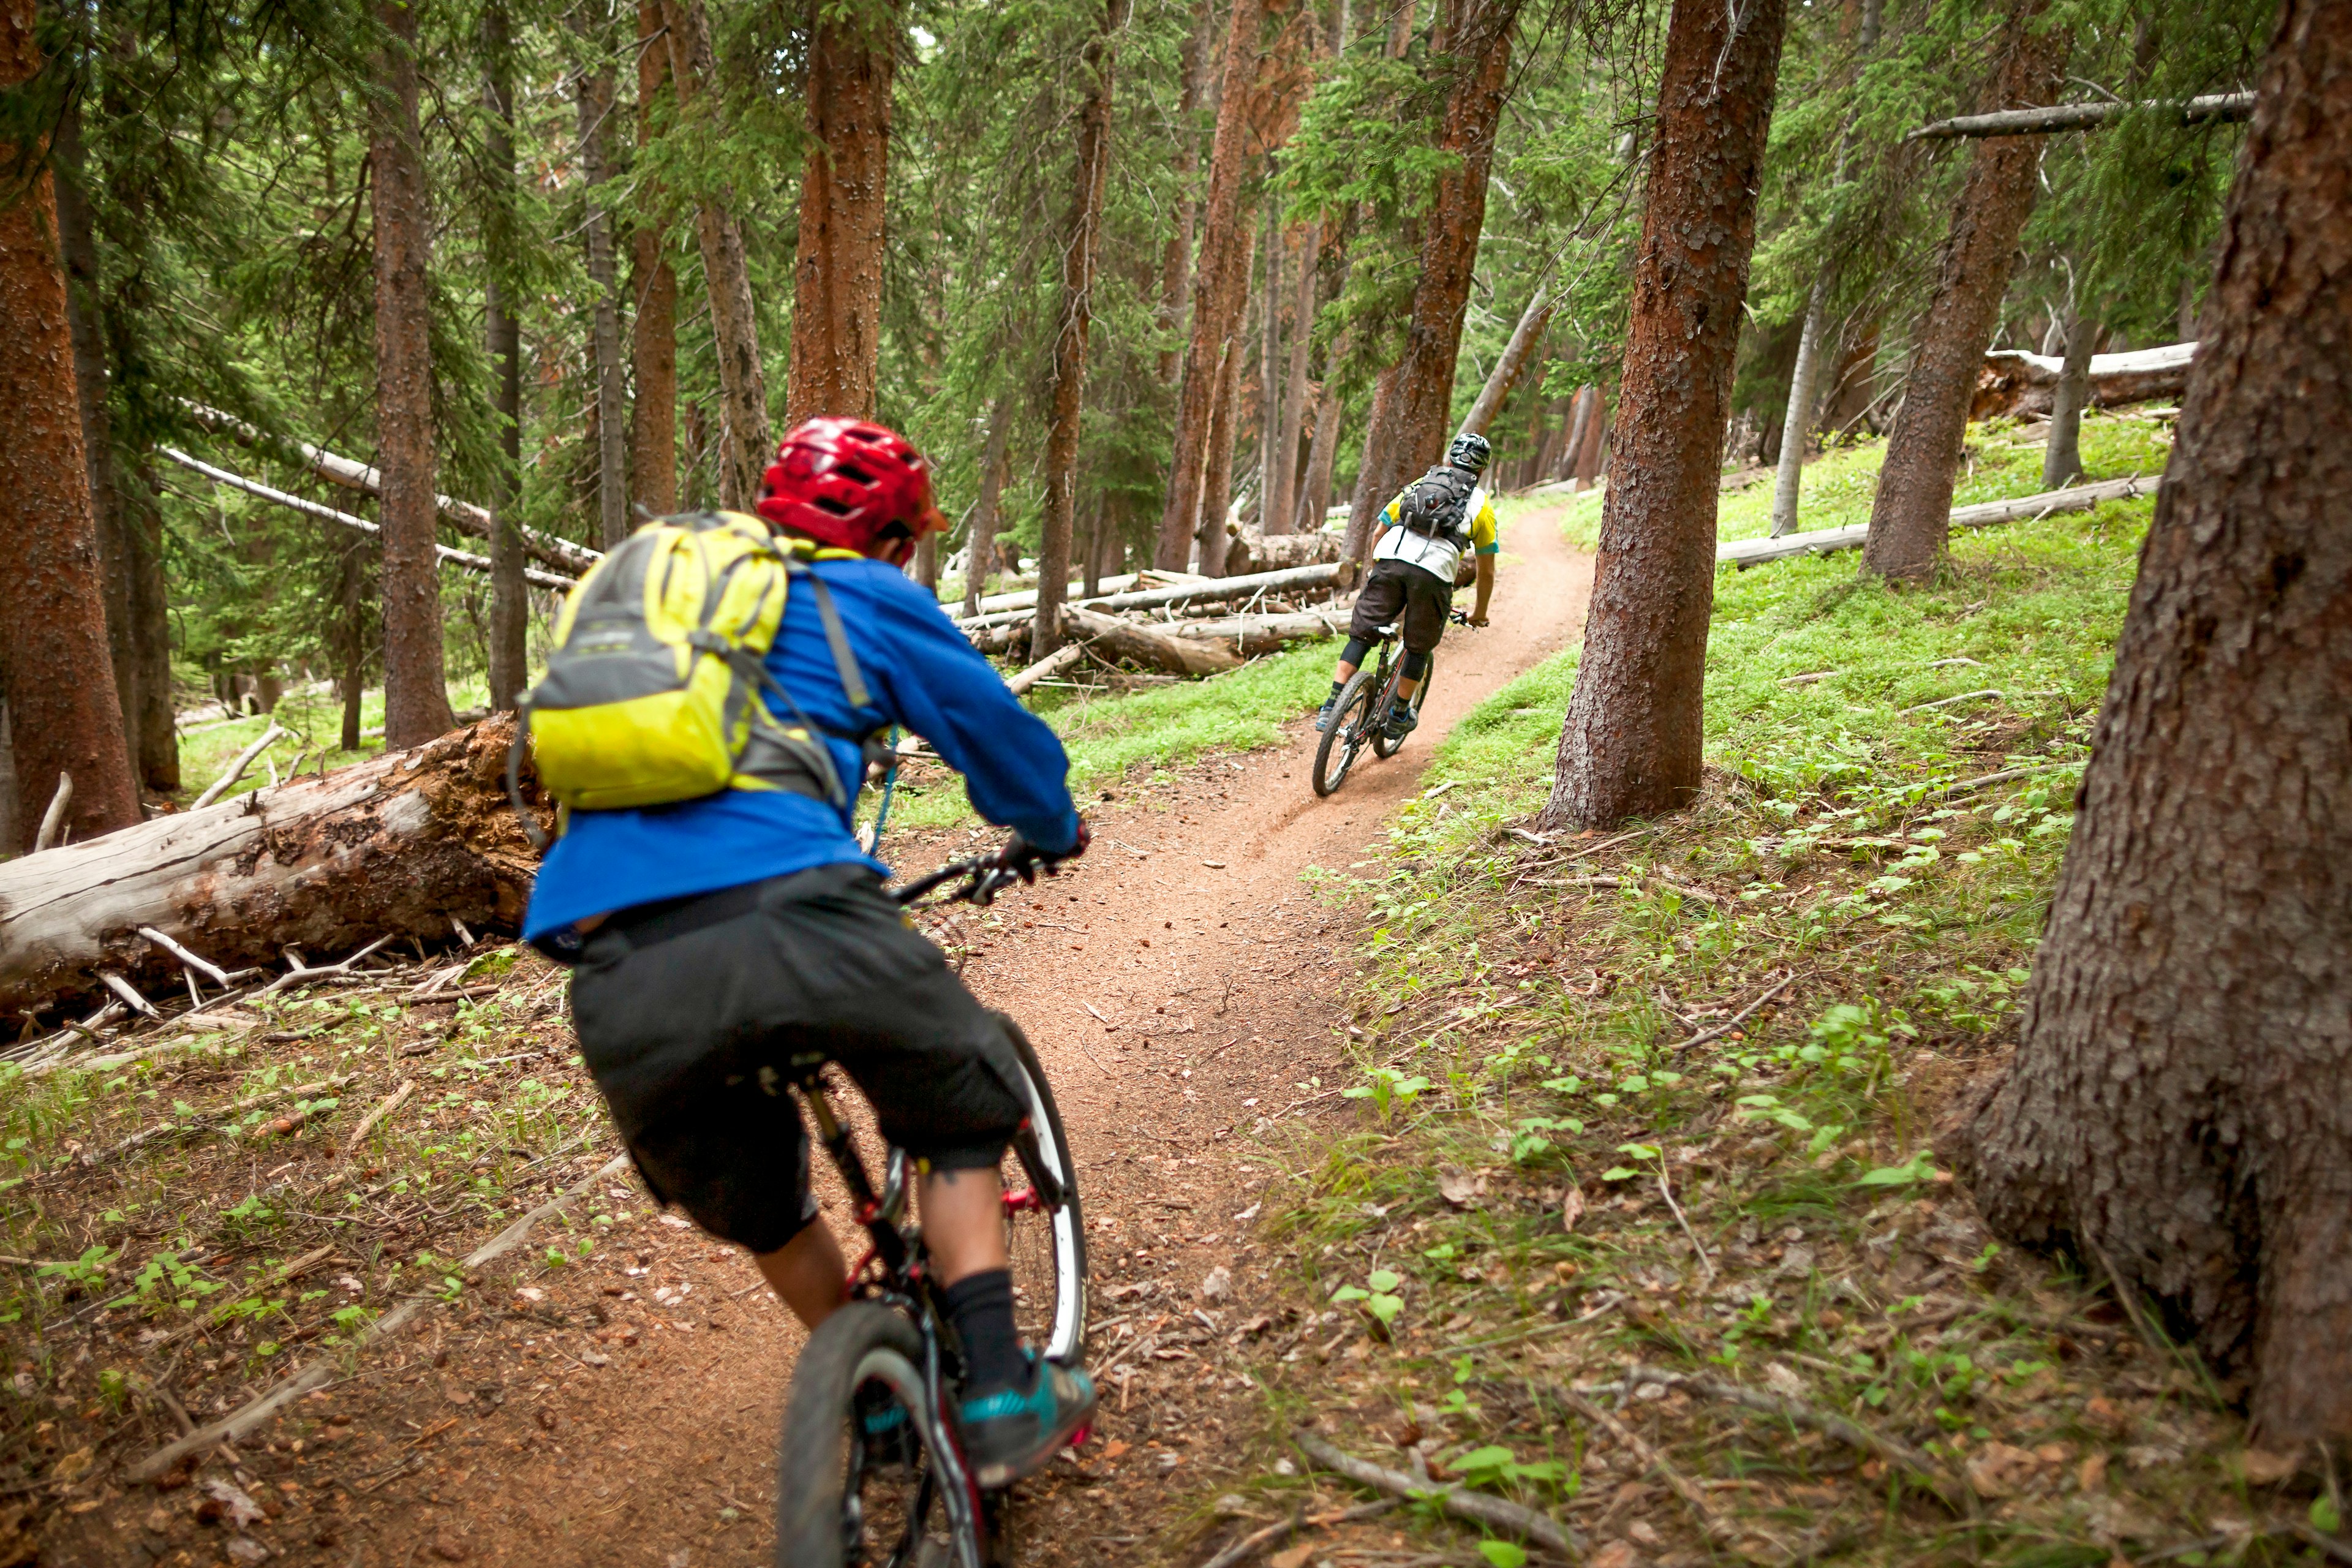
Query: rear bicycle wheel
{"points": [[1045, 1238], [1352, 715], [840, 1501], [1384, 748]]}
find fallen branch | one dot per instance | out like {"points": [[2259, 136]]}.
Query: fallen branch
{"points": [[1852, 1434], [2219, 106], [270, 736], [210, 970], [1257, 1541], [1683, 1487], [258, 1410], [53, 820], [1461, 1503], [1995, 692], [1054, 663], [1206, 590], [1967, 786], [215, 1121], [129, 992], [383, 1107], [1746, 553], [304, 975], [1703, 1035]]}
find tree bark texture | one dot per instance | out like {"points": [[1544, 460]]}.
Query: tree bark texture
{"points": [[594, 94], [2062, 459], [1322, 459], [652, 412], [742, 382], [416, 694], [63, 712], [1420, 405], [1788, 483], [1296, 395], [980, 546], [1219, 287], [837, 276], [1511, 365], [1365, 505], [1081, 236], [2176, 1109], [399, 844], [1269, 361], [153, 728], [1910, 517], [1176, 261], [1631, 745], [1217, 470], [1587, 468], [509, 653], [1580, 417]]}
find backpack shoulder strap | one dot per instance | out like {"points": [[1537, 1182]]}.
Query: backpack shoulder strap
{"points": [[837, 636]]}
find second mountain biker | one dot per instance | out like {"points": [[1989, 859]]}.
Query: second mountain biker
{"points": [[1425, 531], [718, 938]]}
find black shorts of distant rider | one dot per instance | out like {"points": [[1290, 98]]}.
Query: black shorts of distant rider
{"points": [[1395, 588], [693, 1013]]}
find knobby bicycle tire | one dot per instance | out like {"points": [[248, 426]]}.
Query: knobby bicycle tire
{"points": [[1384, 748], [819, 1522], [1059, 1327], [1346, 732]]}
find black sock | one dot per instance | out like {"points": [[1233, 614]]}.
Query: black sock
{"points": [[981, 1307], [1335, 687]]}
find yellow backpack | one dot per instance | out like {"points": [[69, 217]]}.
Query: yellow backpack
{"points": [[652, 690]]}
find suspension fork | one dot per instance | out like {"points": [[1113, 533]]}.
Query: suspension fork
{"points": [[889, 1246]]}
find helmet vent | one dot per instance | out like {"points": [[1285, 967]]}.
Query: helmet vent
{"points": [[853, 473], [833, 504]]}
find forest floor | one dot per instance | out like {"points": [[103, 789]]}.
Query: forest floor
{"points": [[1401, 1125]]}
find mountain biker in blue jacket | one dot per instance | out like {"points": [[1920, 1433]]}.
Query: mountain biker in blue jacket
{"points": [[716, 937]]}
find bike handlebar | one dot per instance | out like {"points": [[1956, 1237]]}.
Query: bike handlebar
{"points": [[984, 877]]}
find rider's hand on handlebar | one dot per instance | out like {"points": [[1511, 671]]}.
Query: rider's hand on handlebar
{"points": [[1024, 859]]}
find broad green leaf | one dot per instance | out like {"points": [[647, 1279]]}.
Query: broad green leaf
{"points": [[1504, 1554], [1383, 1279]]}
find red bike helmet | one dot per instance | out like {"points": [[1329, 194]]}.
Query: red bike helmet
{"points": [[852, 484]]}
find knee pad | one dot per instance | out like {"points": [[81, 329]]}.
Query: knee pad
{"points": [[1355, 651], [1415, 665]]}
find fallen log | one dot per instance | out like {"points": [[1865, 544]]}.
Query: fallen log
{"points": [[409, 844], [1252, 634], [1746, 553], [1208, 590], [2219, 106], [1053, 663], [1115, 639], [353, 475], [2021, 385]]}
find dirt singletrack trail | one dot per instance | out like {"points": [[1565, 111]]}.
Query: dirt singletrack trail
{"points": [[1181, 985]]}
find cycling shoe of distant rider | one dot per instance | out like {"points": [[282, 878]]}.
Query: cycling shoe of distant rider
{"points": [[1425, 531], [718, 938]]}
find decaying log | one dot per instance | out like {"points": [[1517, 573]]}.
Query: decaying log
{"points": [[2022, 384], [2214, 107], [408, 844], [1115, 639], [1746, 553], [1252, 634], [1206, 591], [1054, 663]]}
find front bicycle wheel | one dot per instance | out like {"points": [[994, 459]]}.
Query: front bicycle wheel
{"points": [[865, 1478], [1384, 748], [1045, 1234], [1351, 727]]}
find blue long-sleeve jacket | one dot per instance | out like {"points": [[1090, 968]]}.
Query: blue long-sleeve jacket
{"points": [[922, 674]]}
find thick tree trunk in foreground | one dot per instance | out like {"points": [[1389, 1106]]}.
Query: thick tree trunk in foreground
{"points": [[653, 412], [1910, 517], [1219, 287], [397, 844], [2176, 1109], [1511, 365], [1631, 745], [742, 382], [416, 694], [837, 276], [1421, 405], [595, 105], [980, 546], [64, 713], [1788, 483], [502, 340], [1080, 236]]}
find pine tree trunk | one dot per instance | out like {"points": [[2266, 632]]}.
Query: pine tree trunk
{"points": [[350, 639], [1217, 468], [1270, 367], [1854, 388], [2062, 460], [1365, 505], [64, 713], [1219, 287], [1511, 365], [2175, 1111], [1176, 261], [1596, 435], [154, 730], [980, 548], [1910, 517], [837, 276], [1322, 456], [742, 382], [1420, 405], [1081, 236], [1787, 484], [1580, 418], [653, 412], [502, 340], [1631, 745], [1277, 517], [594, 94]]}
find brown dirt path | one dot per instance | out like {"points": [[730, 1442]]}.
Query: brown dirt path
{"points": [[1182, 986]]}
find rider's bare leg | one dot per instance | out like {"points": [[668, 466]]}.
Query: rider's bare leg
{"points": [[964, 1229], [807, 1273], [1406, 686], [1343, 673]]}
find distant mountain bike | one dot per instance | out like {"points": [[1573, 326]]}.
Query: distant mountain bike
{"points": [[1361, 705], [888, 1364]]}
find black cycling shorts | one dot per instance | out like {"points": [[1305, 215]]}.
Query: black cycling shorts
{"points": [[692, 1012], [1395, 588]]}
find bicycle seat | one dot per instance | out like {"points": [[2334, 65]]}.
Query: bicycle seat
{"points": [[1387, 631]]}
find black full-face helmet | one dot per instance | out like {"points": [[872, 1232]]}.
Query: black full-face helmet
{"points": [[1469, 452]]}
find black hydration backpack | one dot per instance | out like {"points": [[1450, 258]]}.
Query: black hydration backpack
{"points": [[1437, 505]]}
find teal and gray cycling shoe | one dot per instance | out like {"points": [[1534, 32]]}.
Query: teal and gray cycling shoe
{"points": [[1323, 714], [882, 1427], [1010, 1432], [1400, 723]]}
